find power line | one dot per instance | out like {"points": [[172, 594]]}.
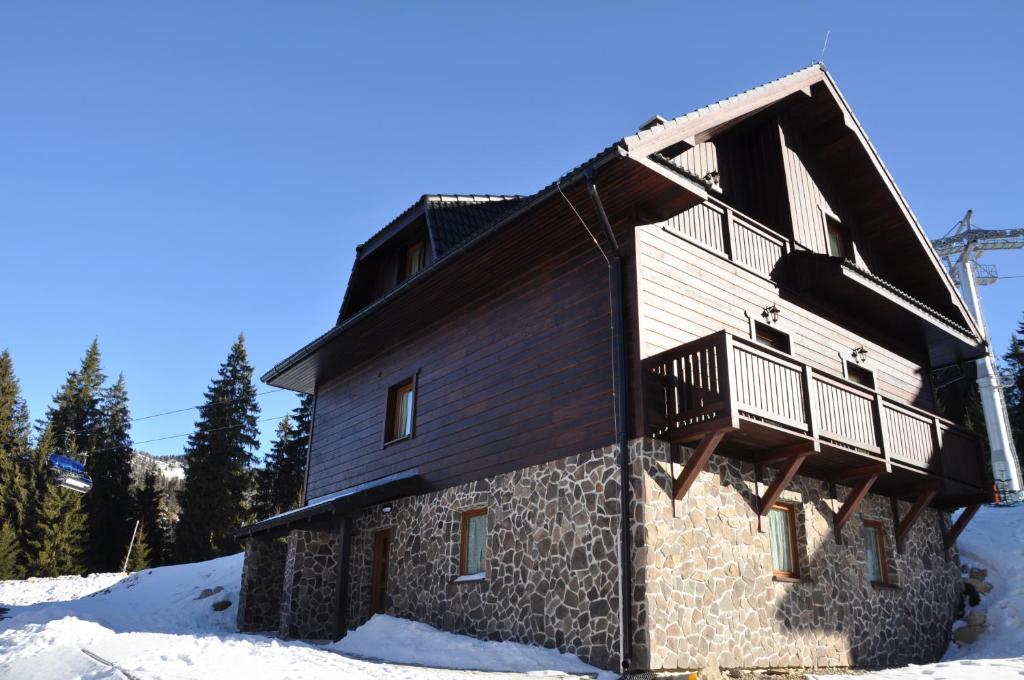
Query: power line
{"points": [[176, 436], [187, 408]]}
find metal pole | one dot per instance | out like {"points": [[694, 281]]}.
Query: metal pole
{"points": [[1005, 469], [131, 544]]}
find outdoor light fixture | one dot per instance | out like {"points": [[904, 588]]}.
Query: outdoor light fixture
{"points": [[770, 314], [386, 509], [860, 355]]}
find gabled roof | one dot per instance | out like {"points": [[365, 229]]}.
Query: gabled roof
{"points": [[458, 222], [703, 123]]}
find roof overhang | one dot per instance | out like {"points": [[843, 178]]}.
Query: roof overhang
{"points": [[878, 302], [339, 504], [543, 226]]}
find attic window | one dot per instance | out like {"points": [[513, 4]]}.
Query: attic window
{"points": [[413, 259], [837, 238], [771, 337]]}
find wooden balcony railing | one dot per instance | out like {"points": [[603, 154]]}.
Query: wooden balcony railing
{"points": [[724, 380], [741, 239]]}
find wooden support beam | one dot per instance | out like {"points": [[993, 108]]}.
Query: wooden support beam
{"points": [[784, 453], [923, 499], [782, 480], [853, 501], [954, 532], [697, 462], [861, 472]]}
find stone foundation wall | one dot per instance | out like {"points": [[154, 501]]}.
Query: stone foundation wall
{"points": [[309, 604], [552, 576], [259, 600], [705, 595]]}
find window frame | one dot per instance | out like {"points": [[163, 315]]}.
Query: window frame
{"points": [[403, 264], [759, 327], [467, 516], [832, 224], [390, 432], [880, 546], [794, 550]]}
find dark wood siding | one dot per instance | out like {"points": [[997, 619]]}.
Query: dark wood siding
{"points": [[518, 379], [687, 292]]}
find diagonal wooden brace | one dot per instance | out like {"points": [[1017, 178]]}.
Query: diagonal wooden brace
{"points": [[923, 499], [961, 523], [697, 462], [853, 501], [782, 480]]}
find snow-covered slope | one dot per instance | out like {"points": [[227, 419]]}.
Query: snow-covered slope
{"points": [[179, 622]]}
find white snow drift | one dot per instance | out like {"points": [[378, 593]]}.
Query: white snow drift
{"points": [[161, 623]]}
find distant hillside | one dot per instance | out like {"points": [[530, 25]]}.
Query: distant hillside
{"points": [[170, 471]]}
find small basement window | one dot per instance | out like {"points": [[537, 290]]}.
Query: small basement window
{"points": [[874, 541], [401, 402], [473, 544], [771, 337], [860, 375], [413, 260], [782, 539]]}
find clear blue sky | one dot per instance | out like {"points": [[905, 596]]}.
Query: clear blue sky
{"points": [[174, 173]]}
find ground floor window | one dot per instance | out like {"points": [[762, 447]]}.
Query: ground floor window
{"points": [[874, 540], [782, 539], [473, 546]]}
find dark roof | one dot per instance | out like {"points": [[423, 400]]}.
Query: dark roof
{"points": [[453, 222]]}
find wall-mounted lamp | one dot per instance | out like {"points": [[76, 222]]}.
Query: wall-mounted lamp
{"points": [[386, 509], [860, 355], [770, 314]]}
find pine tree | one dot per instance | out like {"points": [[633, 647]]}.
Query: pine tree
{"points": [[280, 482], [15, 430], [10, 553], [57, 538], [218, 458], [110, 506], [151, 502], [73, 426], [139, 558], [1012, 374]]}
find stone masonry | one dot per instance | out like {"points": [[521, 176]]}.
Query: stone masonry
{"points": [[309, 605], [259, 600], [705, 595], [552, 576]]}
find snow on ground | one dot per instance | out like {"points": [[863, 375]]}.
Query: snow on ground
{"points": [[160, 623], [994, 540], [33, 590]]}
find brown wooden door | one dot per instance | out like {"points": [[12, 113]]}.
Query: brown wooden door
{"points": [[379, 587]]}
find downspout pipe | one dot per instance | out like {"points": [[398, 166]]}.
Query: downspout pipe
{"points": [[616, 285]]}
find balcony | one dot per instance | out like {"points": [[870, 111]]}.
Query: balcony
{"points": [[830, 281], [730, 395]]}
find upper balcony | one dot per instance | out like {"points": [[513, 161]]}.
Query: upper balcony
{"points": [[755, 403], [841, 284]]}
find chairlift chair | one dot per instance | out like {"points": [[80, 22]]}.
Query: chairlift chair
{"points": [[68, 474]]}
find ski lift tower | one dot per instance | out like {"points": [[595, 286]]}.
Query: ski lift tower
{"points": [[960, 250]]}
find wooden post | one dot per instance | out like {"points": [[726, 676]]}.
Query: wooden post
{"points": [[728, 233], [782, 480], [853, 501], [883, 446], [697, 462], [131, 545], [961, 523], [923, 499]]}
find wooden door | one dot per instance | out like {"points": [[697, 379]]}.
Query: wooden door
{"points": [[379, 586]]}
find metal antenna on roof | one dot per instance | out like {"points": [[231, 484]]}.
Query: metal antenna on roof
{"points": [[821, 59]]}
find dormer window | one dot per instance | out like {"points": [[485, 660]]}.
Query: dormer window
{"points": [[413, 259]]}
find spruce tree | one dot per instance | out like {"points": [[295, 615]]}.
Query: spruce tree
{"points": [[109, 505], [280, 482], [15, 430], [151, 502], [55, 537], [218, 457], [1012, 375], [10, 553]]}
